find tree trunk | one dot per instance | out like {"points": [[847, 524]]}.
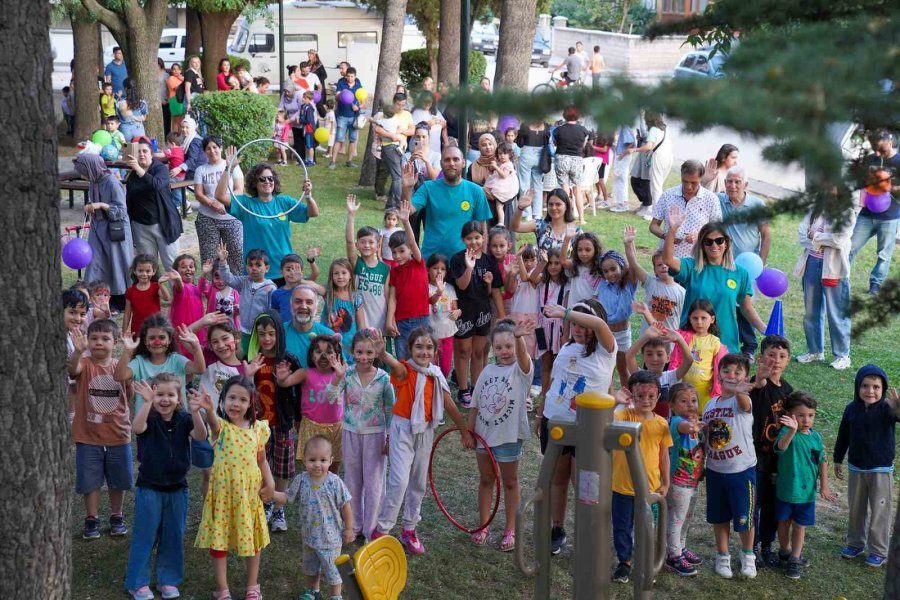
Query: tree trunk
{"points": [[892, 577], [432, 57], [87, 109], [214, 28], [624, 16], [36, 497], [193, 37], [388, 71], [517, 24], [448, 48]]}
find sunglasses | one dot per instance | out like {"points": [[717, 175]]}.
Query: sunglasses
{"points": [[719, 241], [265, 179]]}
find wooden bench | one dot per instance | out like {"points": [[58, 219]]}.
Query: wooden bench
{"points": [[72, 182]]}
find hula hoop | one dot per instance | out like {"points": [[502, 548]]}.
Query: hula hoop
{"points": [[233, 162], [437, 499]]}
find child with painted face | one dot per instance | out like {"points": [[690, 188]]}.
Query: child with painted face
{"points": [[187, 298], [75, 309], [525, 305], [653, 346], [220, 297]]}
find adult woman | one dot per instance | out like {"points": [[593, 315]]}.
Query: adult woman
{"points": [[426, 112], [712, 275], [214, 225], [316, 67], [658, 159], [570, 138], [110, 235], [824, 266], [193, 82], [717, 168], [192, 146], [532, 139], [427, 165], [550, 230], [176, 107], [224, 73], [264, 198], [155, 223], [481, 168], [164, 94], [132, 111]]}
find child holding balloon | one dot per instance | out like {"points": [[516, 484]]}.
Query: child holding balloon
{"points": [[308, 123]]}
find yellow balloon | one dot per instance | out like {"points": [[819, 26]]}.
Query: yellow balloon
{"points": [[321, 135], [362, 94]]}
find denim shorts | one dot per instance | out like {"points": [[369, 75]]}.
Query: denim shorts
{"points": [[96, 464], [201, 454], [801, 514], [505, 453], [346, 125]]}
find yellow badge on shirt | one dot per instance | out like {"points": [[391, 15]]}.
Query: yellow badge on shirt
{"points": [[465, 205], [731, 283]]}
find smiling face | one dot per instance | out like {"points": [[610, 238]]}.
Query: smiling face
{"points": [[701, 321], [367, 245], [474, 241], [73, 316], [452, 164], [554, 267], [157, 341], [223, 345], [186, 268], [645, 396], [322, 355], [166, 398], [715, 244], [685, 404], [213, 152], [144, 272], [556, 208], [364, 354], [303, 305], [499, 246], [655, 357], [871, 389], [732, 374], [422, 350], [265, 183], [237, 404], [267, 338], [585, 252], [611, 271], [504, 348], [317, 458], [401, 254], [735, 187]]}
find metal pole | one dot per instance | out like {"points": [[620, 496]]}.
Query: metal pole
{"points": [[281, 70], [463, 127]]}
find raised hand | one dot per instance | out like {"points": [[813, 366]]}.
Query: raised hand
{"points": [[676, 217], [338, 366], [231, 155], [789, 421], [629, 235], [470, 259], [524, 327], [222, 252], [194, 401], [488, 278], [352, 204], [313, 252], [711, 165], [206, 401], [187, 337], [377, 341], [571, 230], [207, 267], [525, 200], [307, 187], [252, 368], [894, 399], [129, 340], [409, 175], [439, 283], [554, 311], [544, 257], [404, 210], [144, 389], [282, 370], [623, 396]]}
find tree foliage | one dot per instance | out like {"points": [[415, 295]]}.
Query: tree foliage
{"points": [[415, 66], [605, 15], [238, 117]]}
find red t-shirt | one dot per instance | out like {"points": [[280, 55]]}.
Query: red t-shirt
{"points": [[410, 281], [143, 304]]}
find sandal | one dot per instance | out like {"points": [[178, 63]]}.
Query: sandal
{"points": [[480, 537], [508, 544], [223, 595], [253, 593]]}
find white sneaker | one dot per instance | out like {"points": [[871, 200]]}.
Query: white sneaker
{"points": [[278, 521], [805, 359], [723, 566], [841, 363], [619, 208], [748, 565]]}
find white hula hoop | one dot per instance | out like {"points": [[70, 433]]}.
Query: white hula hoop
{"points": [[233, 162]]}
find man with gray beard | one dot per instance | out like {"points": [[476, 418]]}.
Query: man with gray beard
{"points": [[300, 331]]}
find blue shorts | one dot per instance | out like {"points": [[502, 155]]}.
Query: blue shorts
{"points": [[96, 464], [504, 453], [345, 126], [730, 497], [321, 561], [201, 454], [309, 141], [801, 514]]}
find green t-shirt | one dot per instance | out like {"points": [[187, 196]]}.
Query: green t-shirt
{"points": [[370, 282], [798, 467]]}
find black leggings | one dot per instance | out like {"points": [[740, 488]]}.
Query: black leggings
{"points": [[641, 189]]}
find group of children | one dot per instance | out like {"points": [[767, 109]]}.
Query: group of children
{"points": [[308, 121]]}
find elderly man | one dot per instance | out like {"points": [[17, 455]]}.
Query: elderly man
{"points": [[699, 205], [303, 327], [748, 236]]}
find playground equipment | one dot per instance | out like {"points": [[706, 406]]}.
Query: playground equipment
{"points": [[377, 571], [595, 436]]}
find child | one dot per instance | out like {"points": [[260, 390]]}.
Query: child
{"points": [[701, 335], [145, 296], [769, 390], [370, 274], [75, 308], [187, 300], [419, 408], [801, 459], [174, 152], [499, 416], [99, 294], [502, 185], [653, 345], [731, 464], [112, 126], [279, 406], [552, 289], [329, 122], [509, 136], [292, 273], [161, 495], [101, 429], [655, 440], [342, 310], [583, 267], [600, 147], [662, 296], [326, 517], [220, 297], [308, 123], [367, 396], [68, 110], [616, 293], [501, 241], [408, 309], [281, 133], [525, 301], [476, 276], [867, 431], [391, 226], [254, 288], [686, 469], [444, 309], [233, 517], [107, 103]]}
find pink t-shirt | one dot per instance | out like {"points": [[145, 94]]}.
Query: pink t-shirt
{"points": [[314, 404], [187, 307], [227, 302]]}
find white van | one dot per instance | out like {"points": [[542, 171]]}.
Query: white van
{"points": [[171, 47]]}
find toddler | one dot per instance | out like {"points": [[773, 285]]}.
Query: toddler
{"points": [[444, 309], [391, 226], [502, 184], [175, 153], [281, 133]]}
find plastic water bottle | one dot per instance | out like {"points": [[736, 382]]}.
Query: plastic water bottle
{"points": [[154, 145]]}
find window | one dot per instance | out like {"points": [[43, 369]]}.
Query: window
{"points": [[167, 41], [301, 42], [673, 7], [702, 64], [358, 37], [240, 41], [262, 42], [688, 62]]}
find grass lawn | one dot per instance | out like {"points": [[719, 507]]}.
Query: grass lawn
{"points": [[452, 567]]}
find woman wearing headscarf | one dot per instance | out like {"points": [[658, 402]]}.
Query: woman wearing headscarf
{"points": [[110, 235], [194, 156]]}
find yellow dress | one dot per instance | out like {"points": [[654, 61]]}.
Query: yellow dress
{"points": [[704, 350], [234, 519]]}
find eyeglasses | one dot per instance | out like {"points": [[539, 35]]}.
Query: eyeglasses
{"points": [[266, 179], [719, 241]]}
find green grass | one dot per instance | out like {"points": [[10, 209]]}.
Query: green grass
{"points": [[452, 568]]}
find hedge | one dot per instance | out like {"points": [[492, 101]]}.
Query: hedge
{"points": [[237, 117], [414, 67]]}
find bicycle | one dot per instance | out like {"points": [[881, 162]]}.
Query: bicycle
{"points": [[558, 81]]}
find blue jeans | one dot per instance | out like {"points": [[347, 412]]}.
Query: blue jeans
{"points": [[405, 327], [821, 300], [530, 176], [886, 232], [623, 525], [158, 517]]}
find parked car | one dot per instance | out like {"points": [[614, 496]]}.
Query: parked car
{"points": [[484, 38], [698, 63], [171, 47], [540, 50]]}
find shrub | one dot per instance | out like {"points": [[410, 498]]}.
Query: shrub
{"points": [[238, 117], [414, 67]]}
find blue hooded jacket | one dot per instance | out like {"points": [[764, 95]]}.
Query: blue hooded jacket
{"points": [[867, 430]]}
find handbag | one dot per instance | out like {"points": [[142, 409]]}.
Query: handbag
{"points": [[117, 231], [544, 162]]}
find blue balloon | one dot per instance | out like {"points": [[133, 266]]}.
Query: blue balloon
{"points": [[109, 152], [751, 262]]}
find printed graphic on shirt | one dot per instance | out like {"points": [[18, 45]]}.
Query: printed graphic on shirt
{"points": [[498, 402], [720, 435], [103, 397], [573, 384], [662, 307], [225, 304], [340, 320]]}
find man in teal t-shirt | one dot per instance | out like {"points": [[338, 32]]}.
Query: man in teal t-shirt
{"points": [[303, 328]]}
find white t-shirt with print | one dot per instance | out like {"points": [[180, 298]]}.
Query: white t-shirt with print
{"points": [[441, 323], [499, 397], [729, 436], [572, 374]]}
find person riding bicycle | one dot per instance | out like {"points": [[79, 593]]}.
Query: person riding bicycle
{"points": [[573, 65]]}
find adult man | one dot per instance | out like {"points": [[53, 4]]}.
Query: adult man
{"points": [[583, 57], [346, 118], [884, 163], [392, 133], [303, 327], [597, 65], [745, 237], [699, 205], [308, 81], [449, 202], [573, 67], [116, 72]]}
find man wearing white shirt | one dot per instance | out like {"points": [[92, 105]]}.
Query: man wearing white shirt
{"points": [[699, 205], [311, 80]]}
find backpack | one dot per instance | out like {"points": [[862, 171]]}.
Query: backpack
{"points": [[179, 93]]}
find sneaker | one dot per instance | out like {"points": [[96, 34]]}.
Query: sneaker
{"points": [[792, 570], [619, 208], [723, 566], [376, 534], [143, 593], [767, 555], [411, 541], [875, 560], [760, 561], [779, 560], [841, 363], [601, 203], [557, 540], [351, 164], [748, 565], [168, 592], [874, 288], [849, 552], [805, 359], [270, 508], [622, 573], [308, 595], [691, 558], [309, 163], [91, 528], [332, 165], [117, 526], [278, 522], [465, 398], [680, 566]]}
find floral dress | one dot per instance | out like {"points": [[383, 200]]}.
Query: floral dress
{"points": [[233, 516]]}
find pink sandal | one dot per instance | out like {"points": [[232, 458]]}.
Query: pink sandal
{"points": [[508, 543], [480, 537], [253, 593]]}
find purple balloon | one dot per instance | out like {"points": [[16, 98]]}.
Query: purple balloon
{"points": [[772, 283], [346, 97], [77, 254], [507, 122], [317, 96], [878, 203]]}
